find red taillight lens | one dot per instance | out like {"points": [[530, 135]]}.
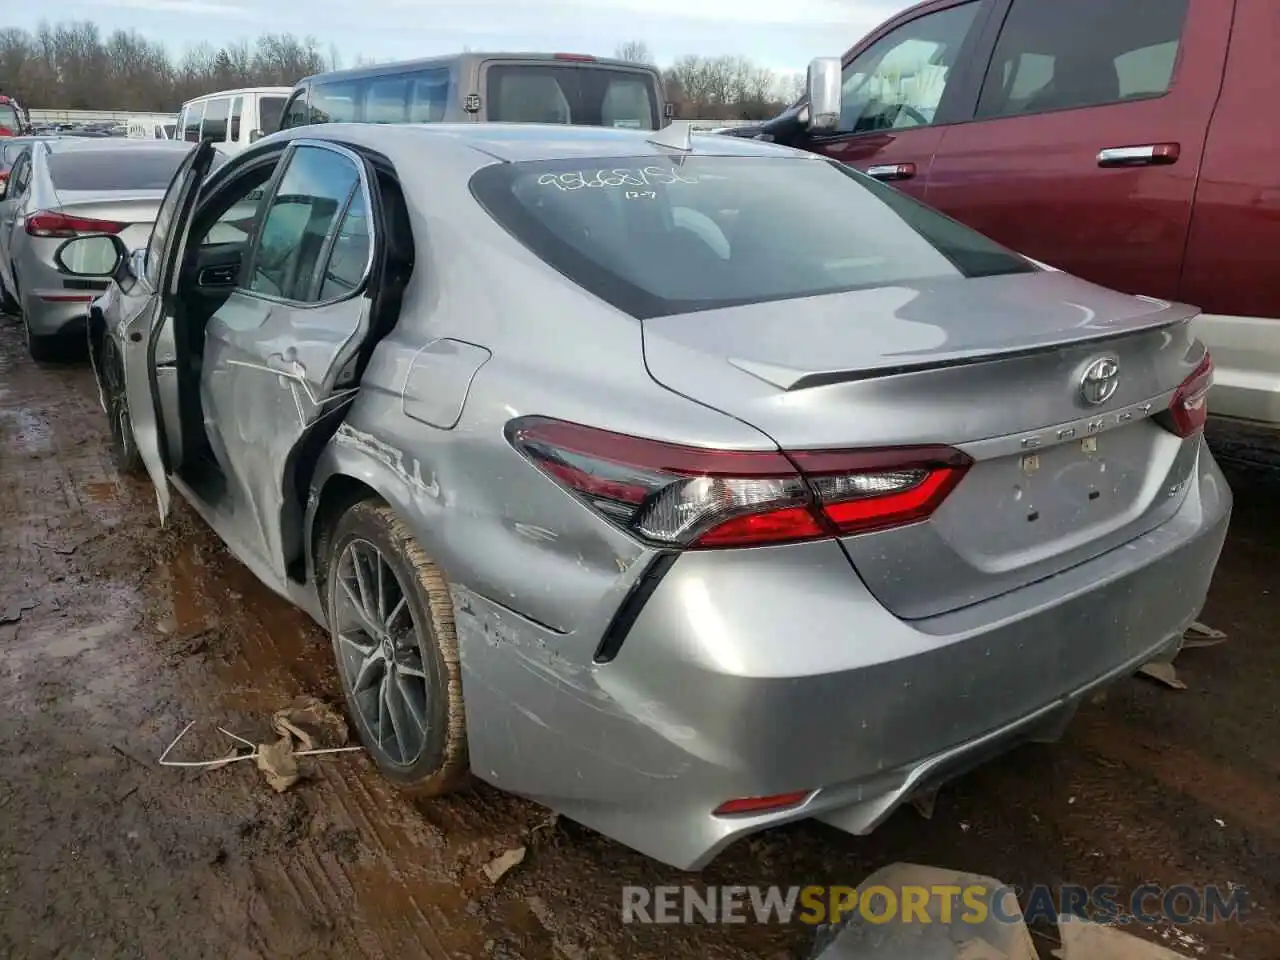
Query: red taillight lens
{"points": [[46, 223], [1189, 407], [761, 804], [692, 497]]}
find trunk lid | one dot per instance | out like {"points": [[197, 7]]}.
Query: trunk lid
{"points": [[137, 209], [991, 366]]}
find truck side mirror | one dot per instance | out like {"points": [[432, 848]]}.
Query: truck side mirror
{"points": [[255, 136], [824, 94]]}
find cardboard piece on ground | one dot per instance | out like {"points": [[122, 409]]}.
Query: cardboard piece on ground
{"points": [[992, 939], [278, 764], [1083, 940]]}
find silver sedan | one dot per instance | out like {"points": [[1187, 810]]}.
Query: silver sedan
{"points": [[688, 486], [59, 188]]}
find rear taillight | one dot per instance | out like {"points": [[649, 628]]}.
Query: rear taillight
{"points": [[47, 223], [1190, 404], [692, 497]]}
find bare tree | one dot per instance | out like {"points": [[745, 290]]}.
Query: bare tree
{"points": [[634, 51]]}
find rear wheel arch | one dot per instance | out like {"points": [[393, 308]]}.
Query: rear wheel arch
{"points": [[339, 494]]}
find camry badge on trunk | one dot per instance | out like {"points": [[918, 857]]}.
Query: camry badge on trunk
{"points": [[1100, 381]]}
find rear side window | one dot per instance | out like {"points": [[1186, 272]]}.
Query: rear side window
{"points": [[311, 201], [571, 94], [334, 102], [139, 169], [1060, 56], [350, 258], [270, 109], [653, 237], [215, 120]]}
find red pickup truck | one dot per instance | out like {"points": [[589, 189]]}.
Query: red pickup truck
{"points": [[1130, 142]]}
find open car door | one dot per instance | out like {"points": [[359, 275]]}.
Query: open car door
{"points": [[140, 332], [281, 354]]}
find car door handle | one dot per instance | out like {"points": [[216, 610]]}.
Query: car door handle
{"points": [[892, 171], [1146, 155]]}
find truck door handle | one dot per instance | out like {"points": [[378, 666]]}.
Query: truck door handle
{"points": [[892, 171], [1146, 155]]}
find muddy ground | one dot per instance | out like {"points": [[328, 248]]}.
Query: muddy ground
{"points": [[114, 634]]}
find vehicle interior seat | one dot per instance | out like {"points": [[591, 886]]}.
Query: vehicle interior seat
{"points": [[1077, 82]]}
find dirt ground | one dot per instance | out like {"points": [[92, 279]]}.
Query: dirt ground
{"points": [[115, 633]]}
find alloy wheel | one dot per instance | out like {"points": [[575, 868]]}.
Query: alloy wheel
{"points": [[379, 652]]}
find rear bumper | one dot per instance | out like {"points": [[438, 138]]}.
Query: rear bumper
{"points": [[762, 672]]}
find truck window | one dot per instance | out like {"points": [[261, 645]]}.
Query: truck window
{"points": [[428, 96], [899, 80], [191, 117], [1063, 56], [334, 102], [295, 115], [269, 111], [215, 120], [237, 111], [384, 100], [583, 95]]}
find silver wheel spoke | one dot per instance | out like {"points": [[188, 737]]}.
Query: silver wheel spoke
{"points": [[399, 721], [380, 613], [362, 585], [418, 717], [398, 609], [364, 677], [358, 609]]}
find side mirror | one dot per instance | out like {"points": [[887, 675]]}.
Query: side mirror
{"points": [[4, 187], [669, 110], [255, 136], [95, 255], [824, 93]]}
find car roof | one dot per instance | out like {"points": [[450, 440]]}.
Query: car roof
{"points": [[519, 142]]}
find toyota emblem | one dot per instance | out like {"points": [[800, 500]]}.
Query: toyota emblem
{"points": [[1100, 381]]}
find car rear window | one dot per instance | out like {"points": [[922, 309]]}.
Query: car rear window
{"points": [[655, 236], [135, 169], [591, 96]]}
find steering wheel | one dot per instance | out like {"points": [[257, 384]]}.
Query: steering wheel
{"points": [[917, 118]]}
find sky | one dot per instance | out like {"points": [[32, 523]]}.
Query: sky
{"points": [[780, 34]]}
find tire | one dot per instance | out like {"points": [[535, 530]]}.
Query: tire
{"points": [[423, 625], [44, 349], [8, 304], [124, 449]]}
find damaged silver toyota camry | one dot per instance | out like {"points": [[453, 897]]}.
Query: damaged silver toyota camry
{"points": [[685, 485]]}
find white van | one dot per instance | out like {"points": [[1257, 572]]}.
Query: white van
{"points": [[233, 119], [150, 128]]}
